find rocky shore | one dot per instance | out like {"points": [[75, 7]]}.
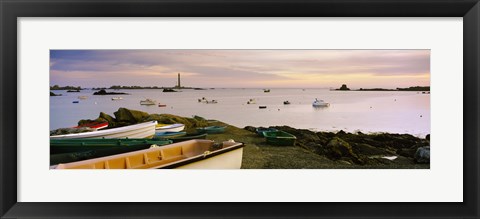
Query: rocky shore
{"points": [[313, 150]]}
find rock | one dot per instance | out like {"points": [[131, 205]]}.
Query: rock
{"points": [[340, 149], [250, 128], [422, 155], [103, 92], [427, 137], [171, 119], [344, 87], [368, 150], [54, 95], [130, 116]]}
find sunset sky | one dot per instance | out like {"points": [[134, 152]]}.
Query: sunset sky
{"points": [[241, 68]]}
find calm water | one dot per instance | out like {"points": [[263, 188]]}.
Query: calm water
{"points": [[372, 111]]}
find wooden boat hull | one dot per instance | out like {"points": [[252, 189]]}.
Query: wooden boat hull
{"points": [[163, 135], [193, 154], [142, 130], [280, 138]]}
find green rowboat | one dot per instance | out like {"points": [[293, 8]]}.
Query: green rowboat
{"points": [[58, 146], [212, 129], [279, 138]]}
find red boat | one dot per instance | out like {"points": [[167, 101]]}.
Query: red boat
{"points": [[94, 125], [162, 105]]}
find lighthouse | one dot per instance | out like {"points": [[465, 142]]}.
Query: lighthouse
{"points": [[179, 86]]}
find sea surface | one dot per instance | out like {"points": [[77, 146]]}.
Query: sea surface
{"points": [[351, 111]]}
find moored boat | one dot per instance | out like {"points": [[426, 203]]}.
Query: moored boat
{"points": [[82, 97], [148, 102], [280, 138], [251, 101], [262, 107], [141, 130], [320, 103], [193, 154], [212, 129], [94, 125], [266, 90], [160, 128], [120, 98], [286, 102]]}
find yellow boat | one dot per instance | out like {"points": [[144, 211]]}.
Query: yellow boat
{"points": [[193, 154]]}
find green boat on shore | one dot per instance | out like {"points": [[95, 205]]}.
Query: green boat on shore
{"points": [[280, 138], [212, 129], [71, 150], [58, 146]]}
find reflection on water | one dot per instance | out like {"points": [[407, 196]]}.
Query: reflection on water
{"points": [[388, 111]]}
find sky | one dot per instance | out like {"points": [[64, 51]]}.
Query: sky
{"points": [[241, 68]]}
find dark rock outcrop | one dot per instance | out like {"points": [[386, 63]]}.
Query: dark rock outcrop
{"points": [[343, 87], [103, 92], [54, 95], [422, 155]]}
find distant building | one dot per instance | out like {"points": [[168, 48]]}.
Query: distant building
{"points": [[179, 85]]}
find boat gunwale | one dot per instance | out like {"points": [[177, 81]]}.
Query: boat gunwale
{"points": [[200, 157]]}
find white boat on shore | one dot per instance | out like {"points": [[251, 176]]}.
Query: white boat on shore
{"points": [[320, 103], [161, 128], [193, 154], [148, 102], [141, 130], [117, 98]]}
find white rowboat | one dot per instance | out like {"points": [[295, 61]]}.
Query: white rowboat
{"points": [[161, 128], [193, 154], [142, 130]]}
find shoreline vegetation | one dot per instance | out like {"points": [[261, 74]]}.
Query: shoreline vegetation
{"points": [[312, 150]]}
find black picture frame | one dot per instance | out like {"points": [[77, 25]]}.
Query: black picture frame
{"points": [[10, 10]]}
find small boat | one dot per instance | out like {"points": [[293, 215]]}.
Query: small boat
{"points": [[119, 98], [286, 102], [260, 130], [94, 125], [262, 107], [279, 138], [169, 134], [73, 91], [321, 103], [266, 90], [82, 97], [162, 105], [188, 137], [193, 154], [251, 101], [202, 100], [147, 102], [212, 101], [58, 146], [160, 128], [169, 90], [212, 129], [75, 101], [141, 130]]}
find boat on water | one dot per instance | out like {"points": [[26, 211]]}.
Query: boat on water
{"points": [[141, 130], [118, 98], [266, 90], [262, 107], [286, 102], [279, 138], [251, 101], [75, 101], [148, 102], [169, 134], [193, 154], [212, 129], [162, 105], [58, 146], [160, 128], [320, 103], [82, 97], [260, 130], [94, 125]]}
